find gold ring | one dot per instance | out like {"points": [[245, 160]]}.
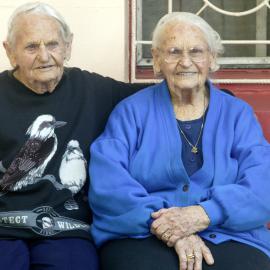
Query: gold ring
{"points": [[166, 235], [190, 256]]}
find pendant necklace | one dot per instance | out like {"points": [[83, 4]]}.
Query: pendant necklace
{"points": [[194, 147]]}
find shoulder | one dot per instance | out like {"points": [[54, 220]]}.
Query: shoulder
{"points": [[228, 101], [90, 83], [100, 84], [5, 76], [6, 81], [77, 73]]}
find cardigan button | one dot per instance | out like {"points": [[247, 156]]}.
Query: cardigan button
{"points": [[185, 187], [212, 235]]}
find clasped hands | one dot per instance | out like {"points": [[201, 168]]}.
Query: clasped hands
{"points": [[177, 227]]}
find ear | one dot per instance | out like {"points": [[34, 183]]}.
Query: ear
{"points": [[213, 63], [10, 54], [156, 63], [68, 48]]}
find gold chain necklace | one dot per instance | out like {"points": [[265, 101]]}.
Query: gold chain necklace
{"points": [[194, 148]]}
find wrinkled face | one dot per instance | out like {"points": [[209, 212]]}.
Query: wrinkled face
{"points": [[38, 52], [183, 57]]}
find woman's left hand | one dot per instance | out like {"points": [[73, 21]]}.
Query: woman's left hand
{"points": [[177, 222]]}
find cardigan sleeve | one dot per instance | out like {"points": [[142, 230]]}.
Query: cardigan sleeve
{"points": [[121, 206], [245, 204]]}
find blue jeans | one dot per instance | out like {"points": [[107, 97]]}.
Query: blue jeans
{"points": [[59, 254]]}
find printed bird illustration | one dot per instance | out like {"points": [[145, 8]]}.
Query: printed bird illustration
{"points": [[72, 171], [31, 161]]}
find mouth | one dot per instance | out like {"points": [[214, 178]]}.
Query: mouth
{"points": [[185, 74], [45, 67]]}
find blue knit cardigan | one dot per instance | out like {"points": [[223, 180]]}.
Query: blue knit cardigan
{"points": [[136, 168]]}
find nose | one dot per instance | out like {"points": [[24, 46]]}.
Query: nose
{"points": [[43, 53], [185, 60]]}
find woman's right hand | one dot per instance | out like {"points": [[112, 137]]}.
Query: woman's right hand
{"points": [[178, 222], [191, 251]]}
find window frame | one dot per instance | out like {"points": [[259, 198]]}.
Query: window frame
{"points": [[144, 73]]}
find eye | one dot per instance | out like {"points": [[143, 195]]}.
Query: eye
{"points": [[196, 51], [174, 51], [52, 45], [32, 47]]}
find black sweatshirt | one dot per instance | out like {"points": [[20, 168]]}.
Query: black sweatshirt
{"points": [[43, 163]]}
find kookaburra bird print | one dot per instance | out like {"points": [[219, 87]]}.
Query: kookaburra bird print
{"points": [[31, 161], [72, 170]]}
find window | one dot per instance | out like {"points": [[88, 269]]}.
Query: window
{"points": [[244, 27]]}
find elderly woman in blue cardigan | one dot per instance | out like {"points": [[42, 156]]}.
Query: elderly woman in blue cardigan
{"points": [[180, 178]]}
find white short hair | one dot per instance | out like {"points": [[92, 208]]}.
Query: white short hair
{"points": [[212, 37], [37, 8]]}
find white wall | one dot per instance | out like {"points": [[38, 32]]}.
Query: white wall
{"points": [[100, 33]]}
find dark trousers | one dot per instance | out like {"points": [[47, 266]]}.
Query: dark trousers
{"points": [[60, 254], [152, 254]]}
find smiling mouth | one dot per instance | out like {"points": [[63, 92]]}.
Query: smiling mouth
{"points": [[45, 67], [185, 74]]}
